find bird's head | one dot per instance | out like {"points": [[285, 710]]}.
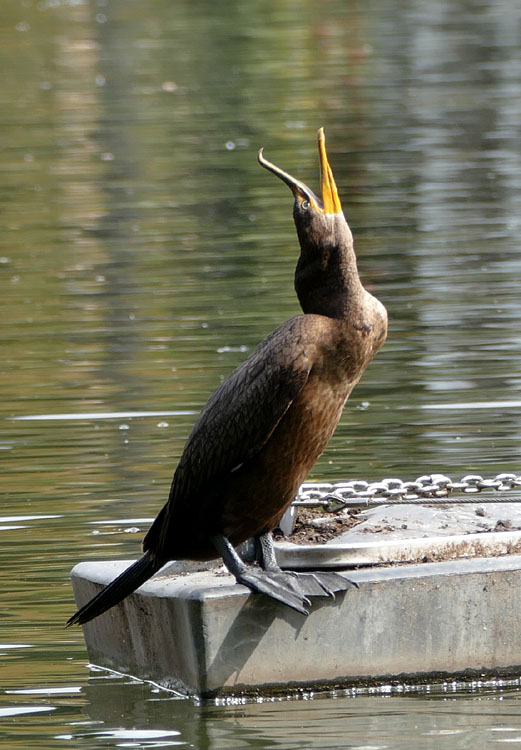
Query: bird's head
{"points": [[326, 273], [317, 219]]}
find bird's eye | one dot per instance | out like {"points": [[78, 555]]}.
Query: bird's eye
{"points": [[306, 204]]}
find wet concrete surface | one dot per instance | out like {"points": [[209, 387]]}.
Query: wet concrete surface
{"points": [[201, 633], [411, 521]]}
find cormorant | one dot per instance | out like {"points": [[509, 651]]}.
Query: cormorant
{"points": [[269, 421]]}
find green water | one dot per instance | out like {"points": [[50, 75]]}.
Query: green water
{"points": [[143, 253]]}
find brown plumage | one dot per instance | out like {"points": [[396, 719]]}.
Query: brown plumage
{"points": [[266, 425]]}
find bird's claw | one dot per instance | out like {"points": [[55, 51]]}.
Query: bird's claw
{"points": [[323, 583], [293, 589]]}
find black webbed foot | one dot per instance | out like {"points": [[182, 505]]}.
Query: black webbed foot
{"points": [[271, 581], [288, 587], [323, 583], [281, 586], [318, 583]]}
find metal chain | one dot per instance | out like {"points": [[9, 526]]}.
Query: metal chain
{"points": [[433, 488]]}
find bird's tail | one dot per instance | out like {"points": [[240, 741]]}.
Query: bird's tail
{"points": [[122, 586]]}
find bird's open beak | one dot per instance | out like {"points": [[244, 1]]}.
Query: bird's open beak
{"points": [[330, 203], [330, 200]]}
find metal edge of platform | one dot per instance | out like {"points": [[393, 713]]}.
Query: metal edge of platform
{"points": [[386, 552]]}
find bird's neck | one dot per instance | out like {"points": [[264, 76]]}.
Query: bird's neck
{"points": [[327, 280]]}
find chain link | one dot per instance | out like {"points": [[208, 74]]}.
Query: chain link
{"points": [[435, 488]]}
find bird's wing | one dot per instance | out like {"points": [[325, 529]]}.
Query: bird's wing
{"points": [[240, 416]]}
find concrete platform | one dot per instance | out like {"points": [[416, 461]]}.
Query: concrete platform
{"points": [[203, 634]]}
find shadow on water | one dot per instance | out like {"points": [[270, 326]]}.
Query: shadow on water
{"points": [[143, 255]]}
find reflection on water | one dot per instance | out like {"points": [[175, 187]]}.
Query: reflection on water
{"points": [[144, 253], [123, 713]]}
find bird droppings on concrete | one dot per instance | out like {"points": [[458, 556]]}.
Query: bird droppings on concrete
{"points": [[401, 522]]}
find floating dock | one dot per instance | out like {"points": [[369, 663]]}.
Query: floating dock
{"points": [[202, 634]]}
